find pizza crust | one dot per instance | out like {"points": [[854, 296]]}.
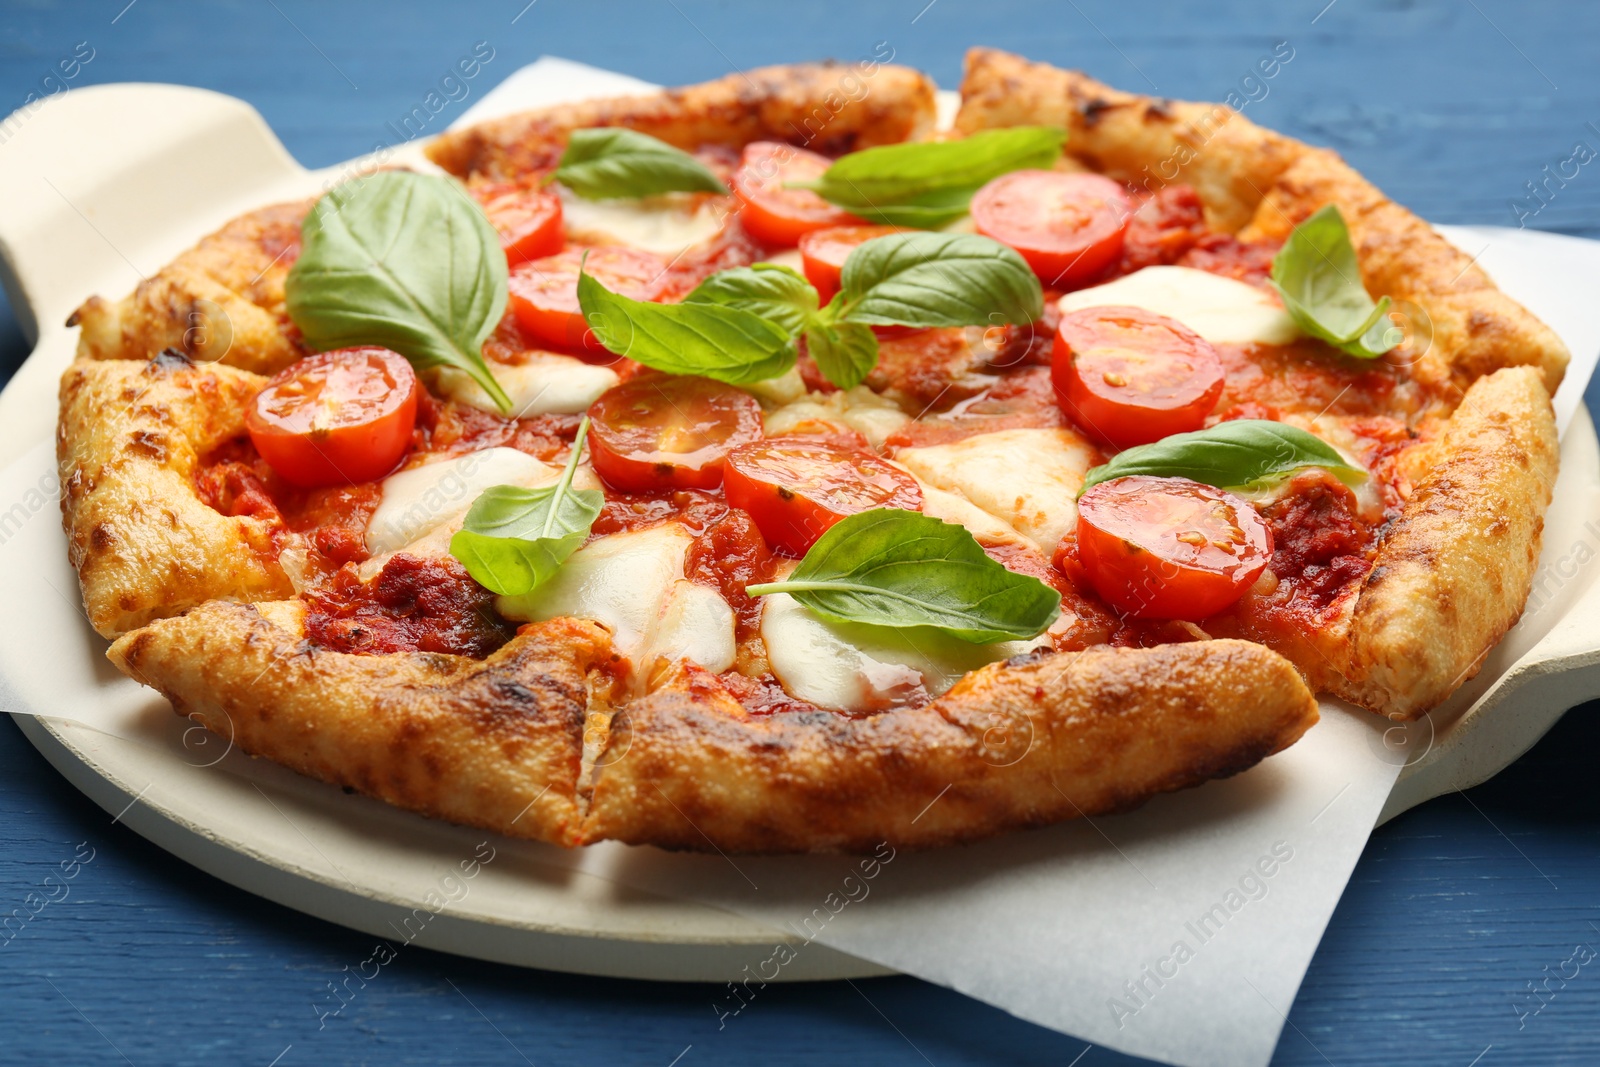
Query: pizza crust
{"points": [[1455, 571], [496, 743], [827, 107], [128, 444], [219, 302], [499, 744]]}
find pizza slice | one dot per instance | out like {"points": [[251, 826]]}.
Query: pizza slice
{"points": [[766, 472]]}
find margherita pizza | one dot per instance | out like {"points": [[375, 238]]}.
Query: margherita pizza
{"points": [[754, 467]]}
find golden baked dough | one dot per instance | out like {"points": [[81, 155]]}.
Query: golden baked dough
{"points": [[828, 107], [130, 439], [1058, 736], [219, 302], [495, 743]]}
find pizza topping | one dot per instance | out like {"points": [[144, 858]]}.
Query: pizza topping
{"points": [[414, 605], [727, 556], [823, 253], [1241, 454], [418, 501], [894, 568], [797, 489], [513, 538], [543, 383], [528, 220], [1129, 377], [1317, 275], [1027, 478], [776, 293], [337, 417], [717, 341], [1221, 310], [544, 293], [611, 162], [773, 210], [862, 668], [1168, 548], [634, 585], [1163, 229], [929, 184], [659, 431], [1069, 227], [405, 261]]}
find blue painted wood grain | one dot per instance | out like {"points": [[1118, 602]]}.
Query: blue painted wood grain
{"points": [[1455, 909]]}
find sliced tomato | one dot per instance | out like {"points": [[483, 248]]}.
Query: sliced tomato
{"points": [[659, 431], [1169, 548], [544, 292], [773, 214], [1069, 227], [528, 220], [796, 490], [337, 417], [1129, 376], [823, 253]]}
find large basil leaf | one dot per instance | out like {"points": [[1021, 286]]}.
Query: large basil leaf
{"points": [[889, 567], [514, 539], [1317, 275], [1240, 454], [929, 184], [775, 293], [405, 261], [937, 279], [712, 340], [609, 162], [845, 352]]}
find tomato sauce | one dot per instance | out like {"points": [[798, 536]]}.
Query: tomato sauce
{"points": [[1164, 227], [1322, 548], [414, 605]]}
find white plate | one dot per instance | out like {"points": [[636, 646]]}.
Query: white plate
{"points": [[105, 184]]}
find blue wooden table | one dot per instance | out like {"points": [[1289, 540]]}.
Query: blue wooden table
{"points": [[1469, 933]]}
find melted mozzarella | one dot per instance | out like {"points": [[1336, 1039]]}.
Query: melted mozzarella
{"points": [[1029, 479], [418, 500], [858, 409], [1222, 310], [949, 507], [847, 667], [789, 257], [667, 224], [547, 384], [633, 585]]}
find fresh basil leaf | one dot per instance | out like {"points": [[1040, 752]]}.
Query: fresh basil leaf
{"points": [[712, 340], [610, 162], [514, 539], [406, 261], [845, 352], [1240, 454], [928, 184], [938, 279], [1317, 275], [889, 567], [776, 293]]}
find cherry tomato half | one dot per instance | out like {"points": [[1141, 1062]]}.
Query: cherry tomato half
{"points": [[544, 292], [823, 253], [659, 431], [1069, 227], [775, 215], [337, 417], [527, 219], [796, 490], [1169, 548], [1129, 376]]}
